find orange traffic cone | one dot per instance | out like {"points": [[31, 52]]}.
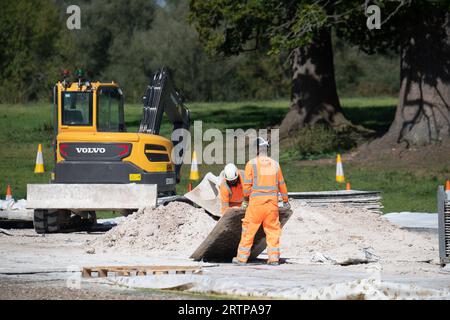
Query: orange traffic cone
{"points": [[8, 193], [339, 170], [39, 168], [189, 187], [348, 187], [194, 175], [447, 185]]}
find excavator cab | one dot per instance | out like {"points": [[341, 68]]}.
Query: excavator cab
{"points": [[91, 142], [77, 108]]}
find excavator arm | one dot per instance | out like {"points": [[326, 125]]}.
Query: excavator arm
{"points": [[161, 96]]}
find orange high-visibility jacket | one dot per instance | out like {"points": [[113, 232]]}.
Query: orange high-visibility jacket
{"points": [[263, 180], [231, 196]]}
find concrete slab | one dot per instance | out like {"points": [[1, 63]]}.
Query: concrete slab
{"points": [[206, 194], [16, 215], [413, 220], [91, 196], [223, 241]]}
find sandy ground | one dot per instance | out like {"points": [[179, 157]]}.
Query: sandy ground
{"points": [[47, 267]]}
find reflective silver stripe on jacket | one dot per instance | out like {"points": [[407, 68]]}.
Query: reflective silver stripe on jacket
{"points": [[260, 194], [265, 188]]}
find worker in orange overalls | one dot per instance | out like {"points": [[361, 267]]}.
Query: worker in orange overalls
{"points": [[263, 181], [231, 188]]}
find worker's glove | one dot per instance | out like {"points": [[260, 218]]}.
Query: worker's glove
{"points": [[286, 205], [244, 205]]}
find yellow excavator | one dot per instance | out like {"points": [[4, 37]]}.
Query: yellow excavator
{"points": [[98, 164]]}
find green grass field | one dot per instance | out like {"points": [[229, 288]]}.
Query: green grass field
{"points": [[23, 127]]}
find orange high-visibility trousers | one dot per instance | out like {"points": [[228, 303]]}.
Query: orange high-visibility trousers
{"points": [[268, 216]]}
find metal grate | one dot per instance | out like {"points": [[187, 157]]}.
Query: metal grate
{"points": [[444, 225], [447, 228], [157, 157]]}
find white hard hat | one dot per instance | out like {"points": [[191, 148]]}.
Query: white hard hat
{"points": [[261, 142], [231, 172]]}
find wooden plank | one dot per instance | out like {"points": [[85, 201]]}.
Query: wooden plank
{"points": [[222, 243], [103, 271], [86, 273]]}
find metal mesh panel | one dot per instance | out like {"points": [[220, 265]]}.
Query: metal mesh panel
{"points": [[444, 225]]}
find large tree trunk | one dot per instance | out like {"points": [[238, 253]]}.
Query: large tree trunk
{"points": [[314, 97], [423, 110]]}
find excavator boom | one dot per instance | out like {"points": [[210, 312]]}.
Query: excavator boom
{"points": [[161, 96]]}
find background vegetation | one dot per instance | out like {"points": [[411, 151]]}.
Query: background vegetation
{"points": [[24, 126], [126, 41]]}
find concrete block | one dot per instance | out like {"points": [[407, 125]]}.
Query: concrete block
{"points": [[222, 243], [91, 196]]}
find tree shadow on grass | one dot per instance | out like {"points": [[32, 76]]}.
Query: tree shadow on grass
{"points": [[377, 118], [245, 117]]}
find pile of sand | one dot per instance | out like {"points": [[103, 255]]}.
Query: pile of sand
{"points": [[178, 227], [338, 233]]}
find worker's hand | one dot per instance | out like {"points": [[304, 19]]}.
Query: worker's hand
{"points": [[244, 205], [286, 205]]}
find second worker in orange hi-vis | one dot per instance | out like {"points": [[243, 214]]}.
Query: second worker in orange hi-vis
{"points": [[231, 188], [263, 180]]}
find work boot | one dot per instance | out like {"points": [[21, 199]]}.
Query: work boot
{"points": [[237, 262], [273, 263]]}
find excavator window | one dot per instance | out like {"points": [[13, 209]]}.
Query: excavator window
{"points": [[77, 108], [110, 110]]}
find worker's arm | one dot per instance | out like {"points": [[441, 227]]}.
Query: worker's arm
{"points": [[248, 181], [224, 198], [282, 186]]}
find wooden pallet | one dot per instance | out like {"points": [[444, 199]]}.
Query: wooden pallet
{"points": [[102, 272]]}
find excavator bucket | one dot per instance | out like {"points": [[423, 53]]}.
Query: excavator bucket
{"points": [[206, 194]]}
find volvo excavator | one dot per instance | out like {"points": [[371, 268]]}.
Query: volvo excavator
{"points": [[98, 164]]}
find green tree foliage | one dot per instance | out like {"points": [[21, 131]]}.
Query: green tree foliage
{"points": [[362, 74], [231, 27], [104, 46], [126, 41], [165, 38], [29, 42], [300, 28]]}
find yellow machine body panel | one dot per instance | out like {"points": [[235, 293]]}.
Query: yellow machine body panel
{"points": [[138, 151], [89, 151]]}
